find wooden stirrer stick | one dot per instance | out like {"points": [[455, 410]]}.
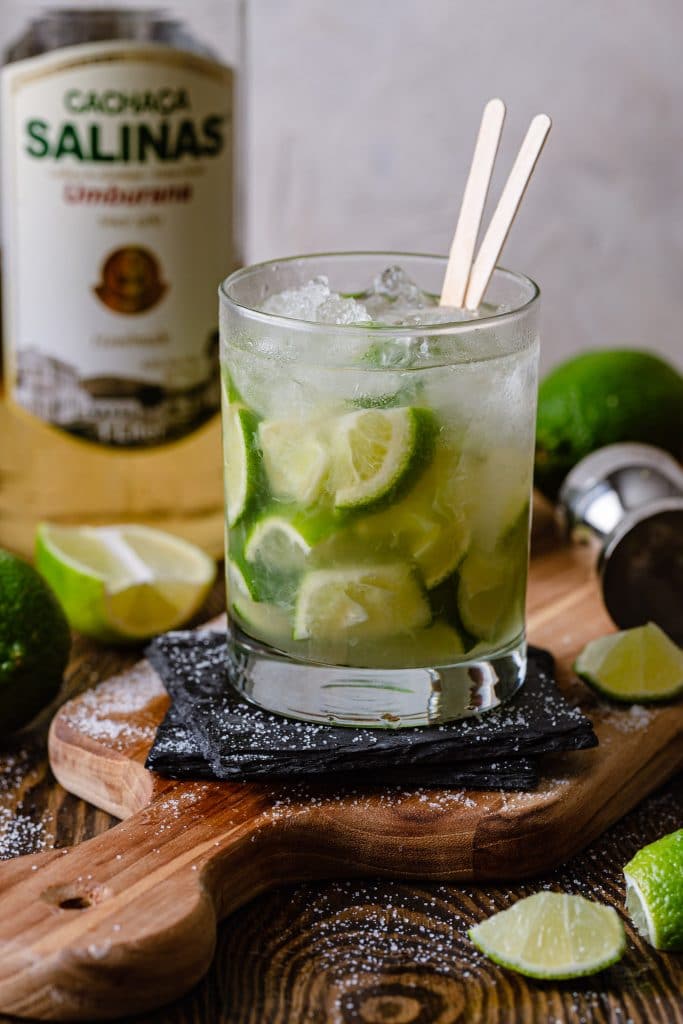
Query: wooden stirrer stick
{"points": [[472, 207], [505, 212]]}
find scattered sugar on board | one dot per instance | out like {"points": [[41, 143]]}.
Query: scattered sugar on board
{"points": [[20, 833], [105, 713], [635, 719]]}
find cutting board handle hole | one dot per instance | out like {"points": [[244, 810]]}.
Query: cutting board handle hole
{"points": [[75, 903], [75, 896]]}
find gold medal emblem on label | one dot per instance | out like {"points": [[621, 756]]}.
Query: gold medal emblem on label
{"points": [[130, 280]]}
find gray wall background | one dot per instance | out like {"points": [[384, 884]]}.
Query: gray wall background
{"points": [[362, 115]]}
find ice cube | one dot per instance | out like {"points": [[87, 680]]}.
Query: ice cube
{"points": [[395, 296], [300, 303], [339, 309], [315, 302]]}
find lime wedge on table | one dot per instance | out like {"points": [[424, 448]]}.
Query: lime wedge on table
{"points": [[635, 665], [295, 459], [654, 892], [365, 601], [552, 935], [123, 583], [375, 452], [242, 460]]}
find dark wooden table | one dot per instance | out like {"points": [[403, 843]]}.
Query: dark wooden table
{"points": [[368, 952]]}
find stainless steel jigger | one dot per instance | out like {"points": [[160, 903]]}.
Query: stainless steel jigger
{"points": [[626, 501]]}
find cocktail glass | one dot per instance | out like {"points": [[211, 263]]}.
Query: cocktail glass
{"points": [[378, 486]]}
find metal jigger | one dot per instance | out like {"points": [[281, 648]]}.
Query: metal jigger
{"points": [[626, 501]]}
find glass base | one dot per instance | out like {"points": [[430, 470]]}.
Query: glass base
{"points": [[375, 698]]}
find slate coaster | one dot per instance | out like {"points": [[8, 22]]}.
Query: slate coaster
{"points": [[176, 754], [211, 733]]}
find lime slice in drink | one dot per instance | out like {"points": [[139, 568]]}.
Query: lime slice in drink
{"points": [[295, 459], [636, 665], [376, 452], [552, 935], [372, 601], [123, 583], [654, 892], [242, 460]]}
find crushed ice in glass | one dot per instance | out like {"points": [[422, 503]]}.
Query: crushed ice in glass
{"points": [[393, 300], [315, 302]]}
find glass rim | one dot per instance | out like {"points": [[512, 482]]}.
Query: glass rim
{"points": [[407, 330]]}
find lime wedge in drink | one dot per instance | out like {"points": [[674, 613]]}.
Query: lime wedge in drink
{"points": [[242, 460], [654, 892], [552, 935], [371, 601], [277, 548], [231, 395], [123, 583], [437, 644], [283, 539], [263, 618], [486, 595], [376, 452], [295, 459], [238, 584], [277, 544], [428, 524], [492, 581], [636, 665], [497, 493]]}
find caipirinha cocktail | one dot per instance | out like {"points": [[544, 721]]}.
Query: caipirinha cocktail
{"points": [[378, 464]]}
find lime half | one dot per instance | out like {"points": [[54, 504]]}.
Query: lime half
{"points": [[635, 665], [654, 892], [123, 583], [242, 460], [295, 459], [371, 601], [552, 935], [375, 453]]}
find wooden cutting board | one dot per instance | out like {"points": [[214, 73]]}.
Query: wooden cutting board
{"points": [[127, 920]]}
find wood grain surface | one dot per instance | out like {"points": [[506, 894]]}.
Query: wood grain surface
{"points": [[366, 951]]}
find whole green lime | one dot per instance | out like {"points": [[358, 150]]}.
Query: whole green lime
{"points": [[34, 643], [604, 397]]}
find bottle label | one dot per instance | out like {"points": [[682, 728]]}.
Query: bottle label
{"points": [[117, 224]]}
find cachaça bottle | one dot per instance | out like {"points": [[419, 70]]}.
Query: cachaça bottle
{"points": [[119, 183]]}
